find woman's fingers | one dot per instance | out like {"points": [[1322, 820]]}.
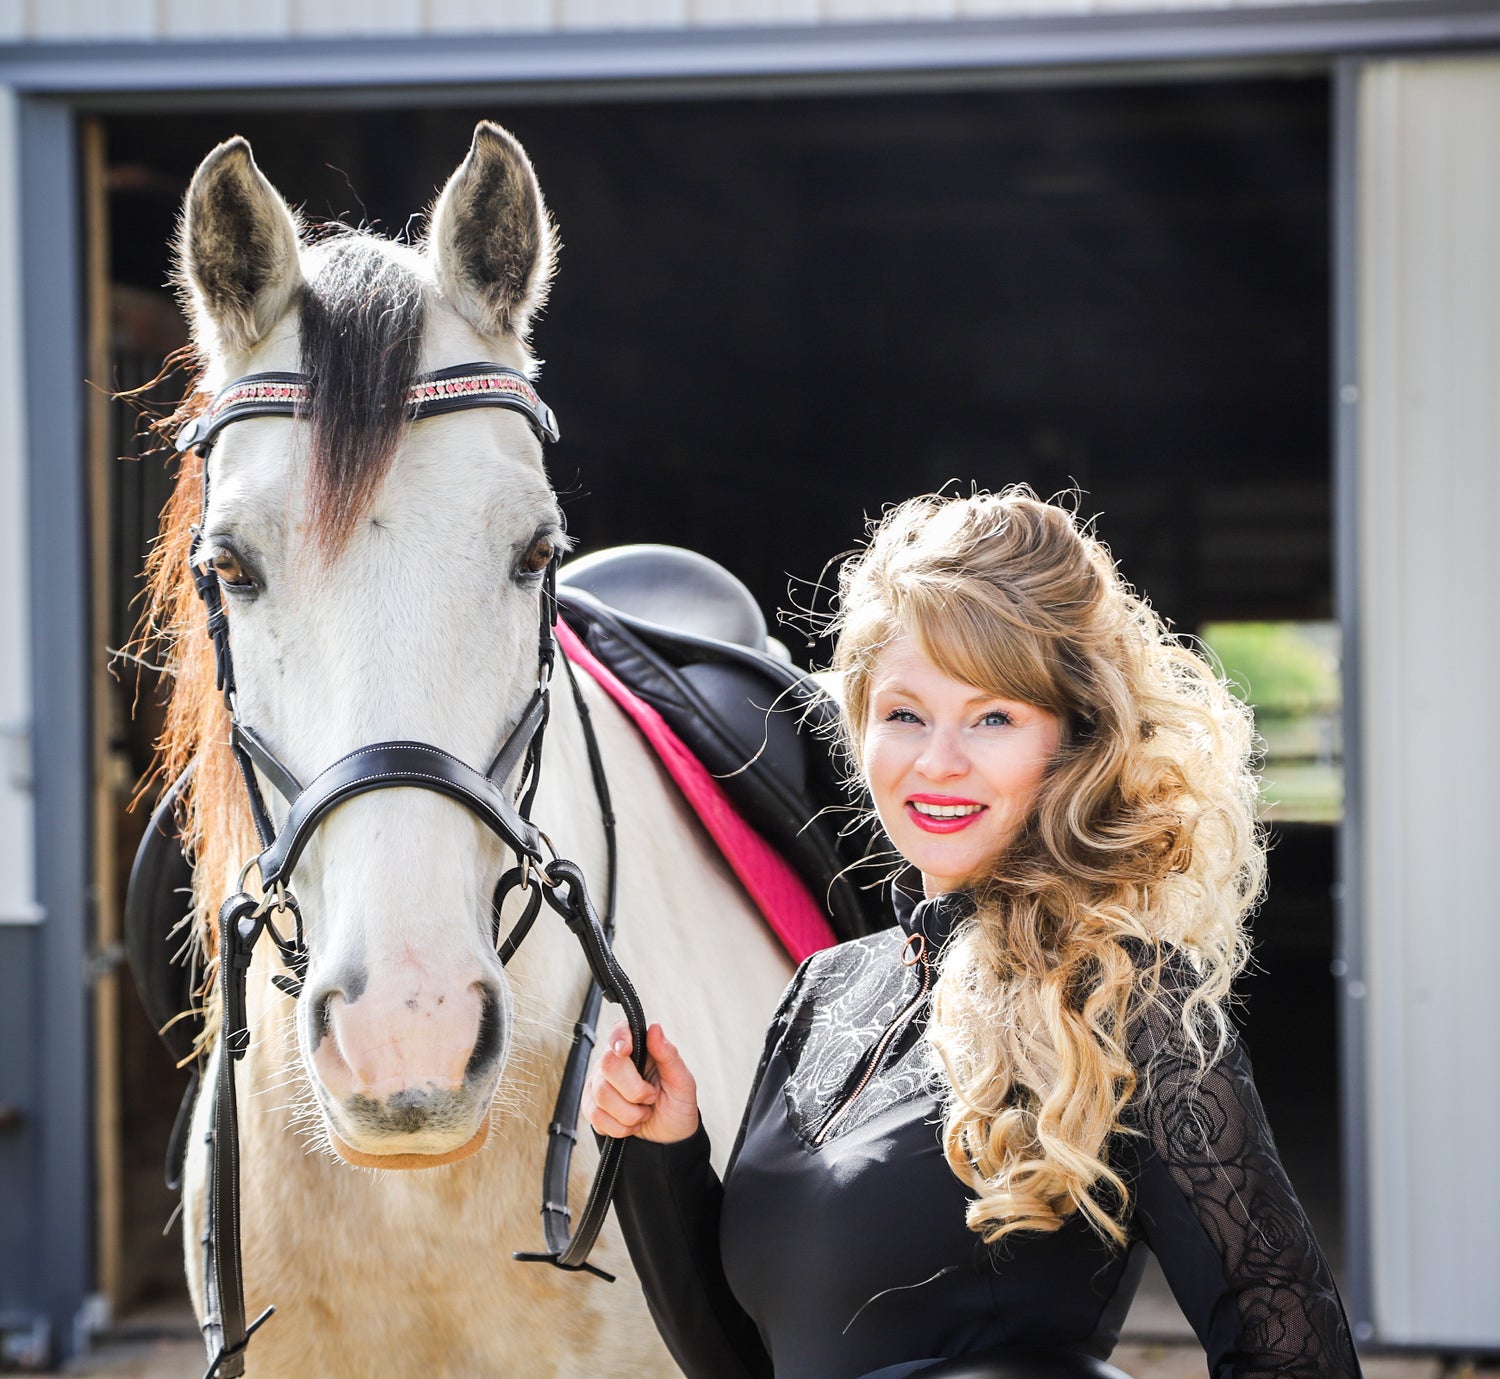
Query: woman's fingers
{"points": [[620, 1109], [672, 1074], [661, 1106], [608, 1125], [618, 1072]]}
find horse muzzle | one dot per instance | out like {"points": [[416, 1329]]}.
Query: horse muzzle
{"points": [[406, 1070]]}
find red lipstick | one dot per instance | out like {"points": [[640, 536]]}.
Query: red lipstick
{"points": [[951, 823]]}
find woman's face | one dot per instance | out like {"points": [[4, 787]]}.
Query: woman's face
{"points": [[954, 771]]}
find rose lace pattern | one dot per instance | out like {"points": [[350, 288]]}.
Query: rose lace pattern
{"points": [[1210, 1132]]}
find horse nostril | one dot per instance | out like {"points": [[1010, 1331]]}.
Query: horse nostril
{"points": [[490, 1040], [347, 985], [323, 1017]]}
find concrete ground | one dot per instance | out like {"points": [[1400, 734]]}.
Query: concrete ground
{"points": [[162, 1356], [1157, 1344]]}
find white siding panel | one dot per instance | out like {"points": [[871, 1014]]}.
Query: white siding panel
{"points": [[971, 9], [90, 19], [86, 20], [323, 17], [622, 14], [756, 11], [17, 861], [486, 16], [226, 18], [1429, 303], [889, 9]]}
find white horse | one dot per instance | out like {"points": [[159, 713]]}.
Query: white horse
{"points": [[379, 579]]}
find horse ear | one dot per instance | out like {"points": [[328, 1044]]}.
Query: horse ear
{"points": [[236, 250], [492, 243]]}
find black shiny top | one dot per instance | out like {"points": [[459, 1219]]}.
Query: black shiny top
{"points": [[837, 1248]]}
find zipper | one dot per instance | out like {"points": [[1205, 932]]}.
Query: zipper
{"points": [[877, 1053]]}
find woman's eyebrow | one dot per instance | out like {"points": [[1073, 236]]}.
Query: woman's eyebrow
{"points": [[900, 691]]}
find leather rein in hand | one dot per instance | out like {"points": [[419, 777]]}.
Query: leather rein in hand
{"points": [[243, 917]]}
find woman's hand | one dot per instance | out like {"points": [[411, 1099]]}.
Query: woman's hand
{"points": [[661, 1107]]}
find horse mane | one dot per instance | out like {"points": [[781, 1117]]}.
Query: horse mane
{"points": [[360, 323]]}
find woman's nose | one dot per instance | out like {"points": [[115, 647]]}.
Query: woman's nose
{"points": [[942, 756]]}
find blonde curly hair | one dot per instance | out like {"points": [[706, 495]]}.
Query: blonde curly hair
{"points": [[1142, 842]]}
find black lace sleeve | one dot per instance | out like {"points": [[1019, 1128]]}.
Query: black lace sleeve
{"points": [[1218, 1210], [668, 1199]]}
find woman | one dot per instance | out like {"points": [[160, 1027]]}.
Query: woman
{"points": [[965, 1132]]}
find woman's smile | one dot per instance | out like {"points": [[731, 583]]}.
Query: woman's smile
{"points": [[953, 769], [943, 813]]}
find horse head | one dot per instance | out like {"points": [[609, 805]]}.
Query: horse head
{"points": [[381, 581]]}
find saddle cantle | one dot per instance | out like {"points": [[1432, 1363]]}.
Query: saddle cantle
{"points": [[688, 638], [671, 589]]}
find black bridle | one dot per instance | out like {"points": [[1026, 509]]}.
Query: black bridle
{"points": [[244, 917]]}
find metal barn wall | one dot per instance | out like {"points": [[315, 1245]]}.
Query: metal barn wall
{"points": [[97, 20], [44, 972], [17, 886], [19, 913], [1428, 478]]}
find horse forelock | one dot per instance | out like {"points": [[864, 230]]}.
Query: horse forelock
{"points": [[361, 320]]}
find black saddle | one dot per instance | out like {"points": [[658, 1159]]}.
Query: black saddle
{"points": [[670, 589], [687, 637]]}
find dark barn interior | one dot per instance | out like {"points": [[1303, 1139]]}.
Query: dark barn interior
{"points": [[774, 315]]}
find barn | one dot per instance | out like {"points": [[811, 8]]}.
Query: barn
{"points": [[1231, 271]]}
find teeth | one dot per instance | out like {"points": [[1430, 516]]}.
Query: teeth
{"points": [[946, 811]]}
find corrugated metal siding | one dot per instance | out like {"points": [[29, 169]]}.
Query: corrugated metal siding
{"points": [[1429, 479], [94, 20], [204, 19], [17, 862], [88, 19]]}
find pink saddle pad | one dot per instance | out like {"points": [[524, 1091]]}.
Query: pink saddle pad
{"points": [[788, 906]]}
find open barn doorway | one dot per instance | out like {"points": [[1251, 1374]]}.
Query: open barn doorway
{"points": [[774, 315]]}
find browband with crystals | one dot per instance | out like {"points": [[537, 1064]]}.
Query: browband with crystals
{"points": [[446, 390]]}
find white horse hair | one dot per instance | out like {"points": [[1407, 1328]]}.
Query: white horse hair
{"points": [[377, 588]]}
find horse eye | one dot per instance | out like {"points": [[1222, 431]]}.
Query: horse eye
{"points": [[230, 572], [538, 556]]}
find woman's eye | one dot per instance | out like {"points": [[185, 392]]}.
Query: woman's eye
{"points": [[538, 556], [901, 716], [230, 572], [997, 718]]}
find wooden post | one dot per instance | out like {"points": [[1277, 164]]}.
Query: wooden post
{"points": [[104, 707]]}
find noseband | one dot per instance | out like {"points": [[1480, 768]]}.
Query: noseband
{"points": [[384, 766]]}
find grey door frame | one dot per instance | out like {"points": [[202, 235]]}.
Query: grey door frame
{"points": [[46, 1166], [1349, 946], [45, 1008]]}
